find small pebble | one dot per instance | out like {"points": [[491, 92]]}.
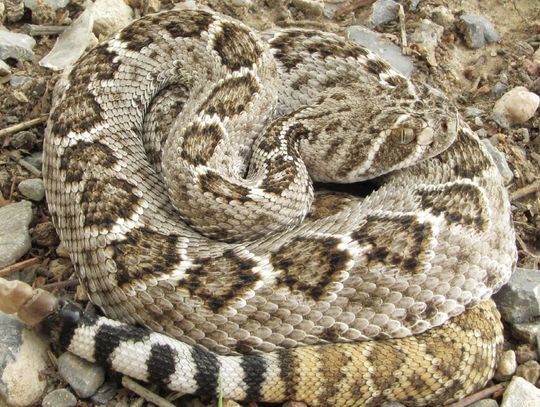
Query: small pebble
{"points": [[33, 189], [525, 353], [35, 160], [477, 30], [105, 393], [44, 234], [507, 365], [17, 80], [23, 355], [516, 106], [83, 377], [521, 393], [25, 140], [519, 300], [499, 89], [523, 135], [392, 404], [14, 235], [52, 4], [478, 121], [382, 12], [59, 398], [110, 16], [59, 267], [530, 371], [16, 45]]}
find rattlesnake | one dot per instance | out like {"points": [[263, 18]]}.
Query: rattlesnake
{"points": [[178, 165]]}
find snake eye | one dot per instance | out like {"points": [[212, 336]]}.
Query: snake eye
{"points": [[402, 135]]}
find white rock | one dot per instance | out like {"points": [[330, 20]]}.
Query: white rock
{"points": [[516, 106], [521, 393], [52, 4], [14, 236], [15, 45], [71, 44], [507, 365], [24, 356], [32, 189], [110, 16]]}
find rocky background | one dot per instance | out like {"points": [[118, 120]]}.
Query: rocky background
{"points": [[483, 53]]}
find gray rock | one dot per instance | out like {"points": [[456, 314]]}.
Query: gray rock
{"points": [[17, 80], [521, 393], [477, 30], [35, 159], [499, 88], [25, 139], [52, 4], [527, 332], [428, 34], [500, 162], [105, 393], [84, 377], [382, 12], [392, 404], [472, 112], [388, 51], [14, 236], [17, 46], [519, 300], [485, 403], [59, 398], [33, 189], [23, 355]]}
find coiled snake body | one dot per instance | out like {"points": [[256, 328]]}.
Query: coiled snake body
{"points": [[179, 168]]}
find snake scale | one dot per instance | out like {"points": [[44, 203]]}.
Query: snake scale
{"points": [[179, 164]]}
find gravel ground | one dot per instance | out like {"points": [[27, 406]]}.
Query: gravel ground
{"points": [[474, 78]]}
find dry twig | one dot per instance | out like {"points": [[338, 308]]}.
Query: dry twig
{"points": [[529, 189], [482, 394], [142, 391], [23, 126], [6, 271]]}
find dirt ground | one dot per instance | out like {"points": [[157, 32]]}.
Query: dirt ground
{"points": [[467, 76]]}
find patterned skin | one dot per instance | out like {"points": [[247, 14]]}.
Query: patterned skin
{"points": [[179, 163]]}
